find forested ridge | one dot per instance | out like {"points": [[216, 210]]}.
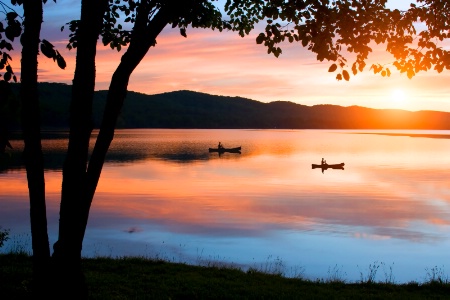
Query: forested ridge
{"points": [[188, 109]]}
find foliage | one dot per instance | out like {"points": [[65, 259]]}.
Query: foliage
{"points": [[10, 29], [121, 15], [330, 29], [113, 32], [4, 233], [334, 30], [420, 33]]}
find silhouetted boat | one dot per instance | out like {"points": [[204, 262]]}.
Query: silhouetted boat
{"points": [[222, 150], [327, 166]]}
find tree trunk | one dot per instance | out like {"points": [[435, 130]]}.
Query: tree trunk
{"points": [[144, 36], [33, 156], [78, 185], [67, 250]]}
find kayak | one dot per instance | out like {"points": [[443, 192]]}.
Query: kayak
{"points": [[327, 166], [222, 150]]}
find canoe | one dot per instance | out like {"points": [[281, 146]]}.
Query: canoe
{"points": [[222, 150], [327, 166]]}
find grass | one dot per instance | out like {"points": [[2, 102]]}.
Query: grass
{"points": [[141, 278]]}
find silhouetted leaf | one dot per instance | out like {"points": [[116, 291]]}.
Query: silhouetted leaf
{"points": [[60, 61], [11, 15], [47, 51], [354, 69], [47, 43], [260, 38], [9, 32], [7, 76], [361, 66], [332, 68], [346, 75]]}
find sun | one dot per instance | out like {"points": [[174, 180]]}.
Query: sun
{"points": [[398, 98]]}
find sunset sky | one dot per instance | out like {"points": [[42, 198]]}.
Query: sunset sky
{"points": [[226, 64]]}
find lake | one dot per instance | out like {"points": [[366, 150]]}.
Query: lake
{"points": [[163, 195]]}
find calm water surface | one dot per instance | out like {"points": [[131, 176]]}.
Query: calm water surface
{"points": [[162, 194]]}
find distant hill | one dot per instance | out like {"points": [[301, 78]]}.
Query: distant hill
{"points": [[187, 109]]}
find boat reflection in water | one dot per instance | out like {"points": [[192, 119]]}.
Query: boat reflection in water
{"points": [[326, 166]]}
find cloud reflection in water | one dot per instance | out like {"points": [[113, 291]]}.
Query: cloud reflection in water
{"points": [[391, 200]]}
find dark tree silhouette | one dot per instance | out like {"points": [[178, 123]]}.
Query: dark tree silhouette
{"points": [[67, 250], [33, 156], [30, 123]]}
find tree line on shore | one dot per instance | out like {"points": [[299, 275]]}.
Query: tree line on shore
{"points": [[188, 109]]}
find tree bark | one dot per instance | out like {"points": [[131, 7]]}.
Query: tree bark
{"points": [[33, 156], [67, 250]]}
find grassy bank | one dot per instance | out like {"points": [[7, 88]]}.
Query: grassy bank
{"points": [[136, 278]]}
